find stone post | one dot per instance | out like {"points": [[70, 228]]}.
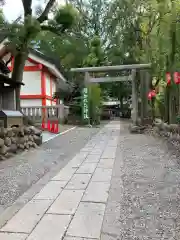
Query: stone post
{"points": [[144, 86], [134, 112]]}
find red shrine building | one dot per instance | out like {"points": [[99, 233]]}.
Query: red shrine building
{"points": [[41, 77]]}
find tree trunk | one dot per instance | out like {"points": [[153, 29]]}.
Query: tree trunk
{"points": [[17, 74]]}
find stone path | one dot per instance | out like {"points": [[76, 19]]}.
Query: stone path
{"points": [[25, 174], [72, 204], [118, 187]]}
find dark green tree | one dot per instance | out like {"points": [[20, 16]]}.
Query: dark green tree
{"points": [[26, 30]]}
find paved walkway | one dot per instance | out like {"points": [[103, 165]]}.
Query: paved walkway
{"points": [[73, 203], [24, 175], [118, 187]]}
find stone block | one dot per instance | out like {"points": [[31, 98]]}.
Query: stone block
{"points": [[1, 142], [14, 140], [9, 132], [51, 227], [93, 158], [7, 141], [27, 130], [35, 131], [51, 190], [12, 236], [21, 131], [65, 174], [97, 151], [87, 168], [27, 218], [77, 160], [3, 150], [37, 140], [87, 221], [21, 140], [102, 175], [67, 202], [78, 181], [97, 192], [3, 132]]}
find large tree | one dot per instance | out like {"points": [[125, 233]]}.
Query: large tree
{"points": [[133, 31], [23, 32]]}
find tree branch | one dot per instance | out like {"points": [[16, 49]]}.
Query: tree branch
{"points": [[56, 30], [27, 7], [44, 15]]}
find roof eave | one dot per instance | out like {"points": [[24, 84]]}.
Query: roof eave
{"points": [[48, 65]]}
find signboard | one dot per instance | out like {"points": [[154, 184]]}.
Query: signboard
{"points": [[85, 104]]}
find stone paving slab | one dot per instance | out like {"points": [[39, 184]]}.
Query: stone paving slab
{"points": [[86, 149], [77, 160], [51, 190], [67, 202], [106, 163], [65, 174], [51, 227], [87, 168], [79, 181], [13, 236], [110, 152], [97, 192], [93, 158], [87, 221], [102, 175], [98, 150], [27, 218]]}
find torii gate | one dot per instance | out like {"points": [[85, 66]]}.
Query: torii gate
{"points": [[144, 84]]}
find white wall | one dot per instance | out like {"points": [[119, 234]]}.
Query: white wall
{"points": [[32, 81], [53, 86], [31, 102], [48, 84]]}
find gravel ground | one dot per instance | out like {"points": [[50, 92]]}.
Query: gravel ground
{"points": [[21, 172], [144, 196]]}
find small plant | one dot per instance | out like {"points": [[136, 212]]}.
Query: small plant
{"points": [[178, 119]]}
